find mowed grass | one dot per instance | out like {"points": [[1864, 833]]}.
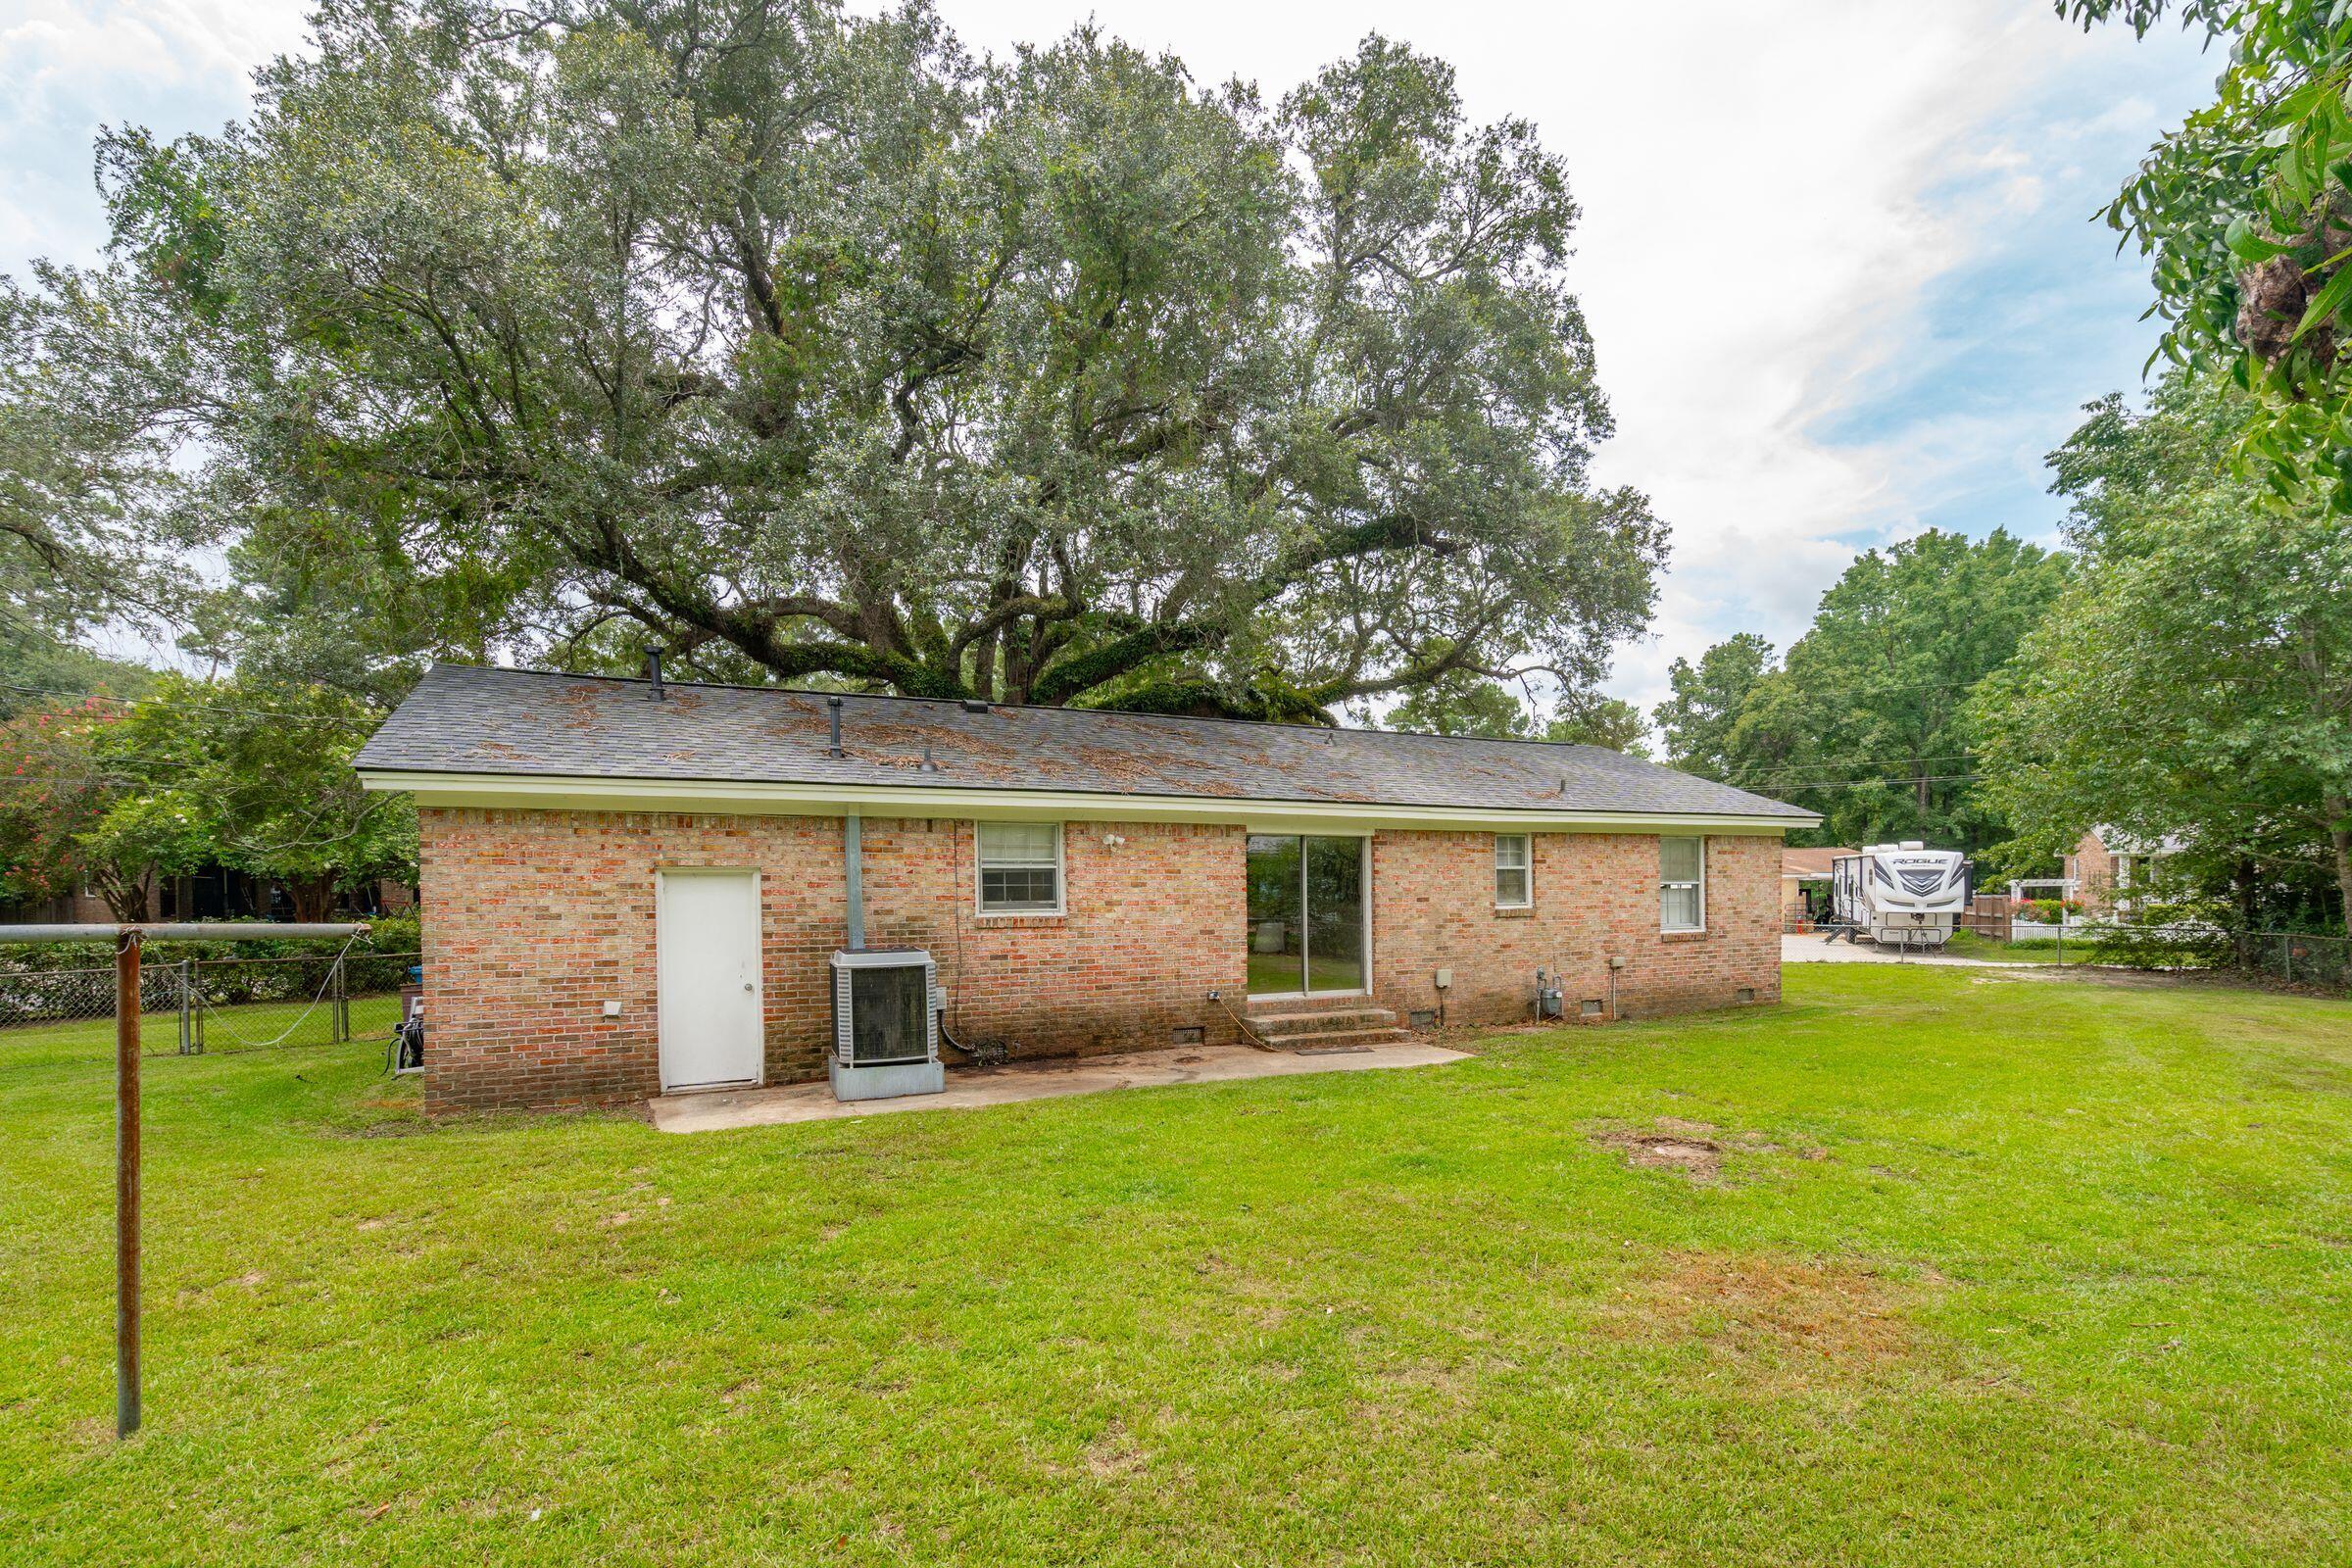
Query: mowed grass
{"points": [[241, 1026], [1993, 1270]]}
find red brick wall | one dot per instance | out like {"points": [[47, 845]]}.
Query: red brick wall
{"points": [[2092, 870], [535, 919], [1596, 897]]}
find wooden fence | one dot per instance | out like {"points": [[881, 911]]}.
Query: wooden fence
{"points": [[1988, 915]]}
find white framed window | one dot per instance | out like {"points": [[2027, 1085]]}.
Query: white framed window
{"points": [[1019, 867], [1681, 883], [1514, 871]]}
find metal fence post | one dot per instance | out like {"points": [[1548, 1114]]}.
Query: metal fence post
{"points": [[196, 1002], [2287, 956], [342, 1003], [127, 1184], [187, 1027]]}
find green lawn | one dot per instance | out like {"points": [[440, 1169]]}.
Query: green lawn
{"points": [[1994, 1271], [89, 1043], [2038, 950]]}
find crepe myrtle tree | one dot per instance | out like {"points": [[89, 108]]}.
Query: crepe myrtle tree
{"points": [[114, 794], [816, 349]]}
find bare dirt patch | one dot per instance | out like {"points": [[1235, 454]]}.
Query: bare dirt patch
{"points": [[1115, 1455], [1696, 1149], [1687, 1153], [1799, 1314]]}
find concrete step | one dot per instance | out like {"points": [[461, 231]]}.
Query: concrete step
{"points": [[1338, 1038], [1351, 1001], [1286, 1022]]}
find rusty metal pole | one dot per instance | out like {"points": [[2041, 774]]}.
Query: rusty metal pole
{"points": [[127, 1184]]}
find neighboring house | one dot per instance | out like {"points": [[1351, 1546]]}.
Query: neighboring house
{"points": [[596, 855], [1806, 882], [82, 906], [2111, 872]]}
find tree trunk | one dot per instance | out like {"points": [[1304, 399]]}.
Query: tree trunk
{"points": [[2339, 838], [126, 898], [313, 897]]}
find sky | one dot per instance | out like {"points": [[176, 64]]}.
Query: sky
{"points": [[1838, 255]]}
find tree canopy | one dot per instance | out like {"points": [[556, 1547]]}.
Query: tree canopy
{"points": [[812, 346], [1867, 720], [1709, 697], [191, 775], [2195, 681], [1474, 706]]}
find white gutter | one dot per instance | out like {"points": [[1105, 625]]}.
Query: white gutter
{"points": [[725, 797]]}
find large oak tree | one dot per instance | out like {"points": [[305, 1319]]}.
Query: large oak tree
{"points": [[816, 348]]}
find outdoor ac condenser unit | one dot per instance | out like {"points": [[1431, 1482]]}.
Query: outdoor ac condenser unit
{"points": [[885, 1024]]}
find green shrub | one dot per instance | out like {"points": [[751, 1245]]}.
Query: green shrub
{"points": [[2168, 936]]}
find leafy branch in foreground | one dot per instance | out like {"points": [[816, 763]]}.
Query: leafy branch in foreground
{"points": [[2246, 213]]}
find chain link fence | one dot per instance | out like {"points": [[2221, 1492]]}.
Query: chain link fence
{"points": [[2294, 958], [203, 1006]]}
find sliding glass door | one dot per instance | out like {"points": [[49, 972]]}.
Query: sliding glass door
{"points": [[1306, 913]]}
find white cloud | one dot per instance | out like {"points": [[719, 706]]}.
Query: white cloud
{"points": [[68, 67]]}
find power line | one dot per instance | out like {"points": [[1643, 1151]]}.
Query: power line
{"points": [[1856, 783]]}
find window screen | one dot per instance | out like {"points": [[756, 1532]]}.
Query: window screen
{"points": [[1513, 875], [1681, 884], [1020, 868]]}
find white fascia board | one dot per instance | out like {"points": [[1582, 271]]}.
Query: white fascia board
{"points": [[533, 792]]}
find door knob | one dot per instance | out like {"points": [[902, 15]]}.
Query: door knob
{"points": [[747, 985]]}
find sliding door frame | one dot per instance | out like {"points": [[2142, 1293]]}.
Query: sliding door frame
{"points": [[1307, 954]]}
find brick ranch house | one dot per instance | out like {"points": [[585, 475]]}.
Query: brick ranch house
{"points": [[597, 852], [2108, 869]]}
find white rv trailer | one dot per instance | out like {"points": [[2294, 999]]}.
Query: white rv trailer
{"points": [[1899, 894]]}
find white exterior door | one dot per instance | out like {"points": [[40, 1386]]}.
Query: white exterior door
{"points": [[707, 942]]}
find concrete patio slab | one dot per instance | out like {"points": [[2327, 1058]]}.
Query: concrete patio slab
{"points": [[970, 1087]]}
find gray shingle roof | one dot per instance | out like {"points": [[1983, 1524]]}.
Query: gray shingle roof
{"points": [[468, 720]]}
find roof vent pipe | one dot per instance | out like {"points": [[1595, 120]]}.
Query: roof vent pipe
{"points": [[653, 670], [833, 729], [853, 854], [927, 765]]}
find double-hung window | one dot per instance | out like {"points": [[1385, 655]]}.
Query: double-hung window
{"points": [[1514, 872], [1681, 883], [1020, 868]]}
